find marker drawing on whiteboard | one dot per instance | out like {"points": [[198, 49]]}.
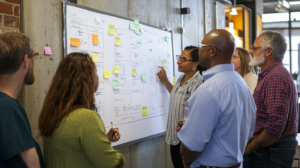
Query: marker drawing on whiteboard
{"points": [[112, 126]]}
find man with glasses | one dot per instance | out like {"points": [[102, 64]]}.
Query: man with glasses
{"points": [[18, 148], [220, 112], [274, 139]]}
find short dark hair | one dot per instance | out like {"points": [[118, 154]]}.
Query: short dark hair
{"points": [[13, 48], [195, 57]]}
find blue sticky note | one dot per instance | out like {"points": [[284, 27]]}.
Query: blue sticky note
{"points": [[167, 38]]}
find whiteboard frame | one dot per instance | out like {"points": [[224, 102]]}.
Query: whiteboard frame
{"points": [[65, 4]]}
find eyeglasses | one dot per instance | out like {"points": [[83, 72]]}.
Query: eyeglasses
{"points": [[182, 59], [236, 56], [254, 48], [206, 45]]}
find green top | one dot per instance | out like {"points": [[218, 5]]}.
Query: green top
{"points": [[80, 141]]}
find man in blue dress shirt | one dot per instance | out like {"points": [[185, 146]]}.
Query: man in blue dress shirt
{"points": [[221, 112]]}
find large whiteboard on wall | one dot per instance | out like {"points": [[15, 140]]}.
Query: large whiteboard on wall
{"points": [[144, 52]]}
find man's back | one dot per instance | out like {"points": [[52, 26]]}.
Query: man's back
{"points": [[15, 133], [221, 115]]}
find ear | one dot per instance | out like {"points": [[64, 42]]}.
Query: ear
{"points": [[26, 61], [269, 52], [213, 51], [196, 63]]}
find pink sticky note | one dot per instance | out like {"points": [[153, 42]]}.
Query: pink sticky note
{"points": [[47, 50]]}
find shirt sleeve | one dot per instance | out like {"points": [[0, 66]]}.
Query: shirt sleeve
{"points": [[15, 133], [95, 142], [277, 105], [203, 117]]}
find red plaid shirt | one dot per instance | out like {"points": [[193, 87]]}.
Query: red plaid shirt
{"points": [[277, 102]]}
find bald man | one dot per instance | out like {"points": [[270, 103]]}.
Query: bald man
{"points": [[221, 112]]}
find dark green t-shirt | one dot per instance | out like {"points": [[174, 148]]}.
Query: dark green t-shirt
{"points": [[15, 133]]}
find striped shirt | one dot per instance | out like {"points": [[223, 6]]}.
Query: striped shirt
{"points": [[178, 98]]}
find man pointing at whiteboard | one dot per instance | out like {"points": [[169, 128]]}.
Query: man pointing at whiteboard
{"points": [[221, 112]]}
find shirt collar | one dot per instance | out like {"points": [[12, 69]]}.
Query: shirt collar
{"points": [[216, 69], [266, 71], [196, 74]]}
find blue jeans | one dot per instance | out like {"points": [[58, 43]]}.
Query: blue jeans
{"points": [[279, 155]]}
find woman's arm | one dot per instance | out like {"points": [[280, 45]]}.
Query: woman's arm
{"points": [[163, 76], [96, 144]]}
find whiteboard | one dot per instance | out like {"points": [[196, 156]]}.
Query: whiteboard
{"points": [[144, 52]]}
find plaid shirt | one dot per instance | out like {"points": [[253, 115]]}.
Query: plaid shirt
{"points": [[277, 102]]}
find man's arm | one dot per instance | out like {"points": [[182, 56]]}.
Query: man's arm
{"points": [[261, 141], [31, 158], [188, 156]]}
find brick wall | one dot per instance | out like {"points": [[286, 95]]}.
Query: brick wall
{"points": [[9, 16]]}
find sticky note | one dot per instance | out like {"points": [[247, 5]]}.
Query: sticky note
{"points": [[144, 78], [136, 22], [95, 39], [95, 57], [131, 25], [116, 69], [137, 30], [165, 63], [174, 80], [47, 50], [98, 19], [115, 84], [111, 29], [167, 38], [134, 72], [106, 73], [118, 40], [139, 41], [144, 111], [75, 42]]}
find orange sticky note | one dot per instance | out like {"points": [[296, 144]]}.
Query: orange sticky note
{"points": [[95, 39], [75, 42]]}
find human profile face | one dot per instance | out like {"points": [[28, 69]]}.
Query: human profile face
{"points": [[96, 77], [236, 61], [187, 65], [256, 52], [29, 77]]}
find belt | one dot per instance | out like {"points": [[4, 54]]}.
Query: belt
{"points": [[235, 166]]}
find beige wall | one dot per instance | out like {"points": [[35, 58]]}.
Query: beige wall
{"points": [[42, 22]]}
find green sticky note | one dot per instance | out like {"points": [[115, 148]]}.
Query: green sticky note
{"points": [[167, 38], [144, 78], [136, 22], [139, 41], [144, 111], [116, 84], [174, 80], [137, 28], [132, 26]]}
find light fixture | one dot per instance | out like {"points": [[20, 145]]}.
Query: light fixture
{"points": [[294, 3], [285, 4], [233, 11]]}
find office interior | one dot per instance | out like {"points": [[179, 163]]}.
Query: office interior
{"points": [[42, 21]]}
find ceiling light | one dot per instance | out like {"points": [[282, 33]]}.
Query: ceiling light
{"points": [[295, 3], [286, 4], [233, 11]]}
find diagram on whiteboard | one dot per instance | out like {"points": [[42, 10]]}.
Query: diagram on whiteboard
{"points": [[127, 55]]}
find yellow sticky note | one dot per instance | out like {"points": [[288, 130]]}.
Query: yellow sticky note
{"points": [[116, 69], [174, 80], [165, 63], [111, 29], [75, 42], [144, 111], [95, 57], [134, 72], [95, 39], [106, 73], [117, 40]]}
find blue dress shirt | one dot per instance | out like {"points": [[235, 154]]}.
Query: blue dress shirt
{"points": [[220, 118]]}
